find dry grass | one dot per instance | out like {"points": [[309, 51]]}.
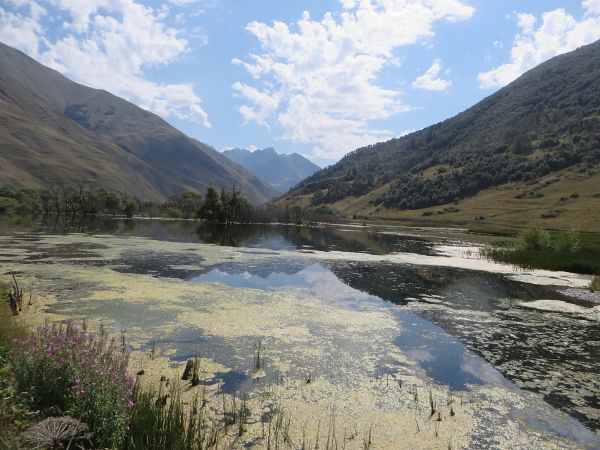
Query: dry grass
{"points": [[498, 207]]}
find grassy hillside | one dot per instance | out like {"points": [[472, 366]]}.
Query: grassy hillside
{"points": [[544, 123], [564, 200], [54, 130]]}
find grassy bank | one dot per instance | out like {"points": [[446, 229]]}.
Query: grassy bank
{"points": [[15, 415], [541, 249]]}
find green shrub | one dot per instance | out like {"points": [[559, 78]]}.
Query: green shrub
{"points": [[534, 239], [69, 371], [566, 242], [173, 213]]}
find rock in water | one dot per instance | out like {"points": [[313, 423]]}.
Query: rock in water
{"points": [[188, 370]]}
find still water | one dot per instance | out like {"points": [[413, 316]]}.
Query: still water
{"points": [[463, 324]]}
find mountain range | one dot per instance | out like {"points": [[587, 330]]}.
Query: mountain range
{"points": [[53, 130], [281, 171], [527, 154]]}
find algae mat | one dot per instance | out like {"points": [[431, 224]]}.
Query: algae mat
{"points": [[329, 362]]}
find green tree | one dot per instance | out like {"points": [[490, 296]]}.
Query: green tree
{"points": [[109, 201], [211, 209]]}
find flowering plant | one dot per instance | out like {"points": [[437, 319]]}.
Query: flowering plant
{"points": [[68, 370]]}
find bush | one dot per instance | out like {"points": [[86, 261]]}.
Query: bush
{"points": [[566, 242], [535, 239], [69, 371]]}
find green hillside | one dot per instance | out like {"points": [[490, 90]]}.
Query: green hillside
{"points": [[545, 122]]}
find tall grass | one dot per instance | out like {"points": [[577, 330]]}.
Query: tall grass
{"points": [[541, 249], [533, 239], [14, 413], [568, 241], [10, 327], [160, 420], [538, 239]]}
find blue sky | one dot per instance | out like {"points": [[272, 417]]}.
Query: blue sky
{"points": [[320, 78]]}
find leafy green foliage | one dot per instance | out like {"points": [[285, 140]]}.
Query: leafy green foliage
{"points": [[547, 120], [534, 239], [68, 370], [21, 201], [566, 242], [225, 207], [211, 209], [14, 413]]}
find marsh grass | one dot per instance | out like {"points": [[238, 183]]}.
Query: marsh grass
{"points": [[566, 241], [540, 249], [533, 239], [161, 420], [11, 329]]}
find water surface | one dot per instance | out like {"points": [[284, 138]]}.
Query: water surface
{"points": [[462, 327]]}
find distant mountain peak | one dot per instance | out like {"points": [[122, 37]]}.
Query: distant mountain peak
{"points": [[281, 171]]}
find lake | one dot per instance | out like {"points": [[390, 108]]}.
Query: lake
{"points": [[365, 326]]}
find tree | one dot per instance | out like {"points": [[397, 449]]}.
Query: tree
{"points": [[109, 200], [211, 209]]}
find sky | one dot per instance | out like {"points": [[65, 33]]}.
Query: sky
{"points": [[316, 77]]}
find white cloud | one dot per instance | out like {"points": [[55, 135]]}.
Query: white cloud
{"points": [[318, 80], [557, 32], [107, 44], [591, 7], [182, 2], [22, 30], [526, 22], [431, 80]]}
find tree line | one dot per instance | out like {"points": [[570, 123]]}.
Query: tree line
{"points": [[220, 206]]}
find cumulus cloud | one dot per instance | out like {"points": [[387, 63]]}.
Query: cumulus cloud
{"points": [[431, 80], [317, 80], [22, 31], [542, 38], [106, 44]]}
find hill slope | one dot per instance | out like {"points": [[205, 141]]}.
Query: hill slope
{"points": [[54, 130], [279, 170], [546, 121]]}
